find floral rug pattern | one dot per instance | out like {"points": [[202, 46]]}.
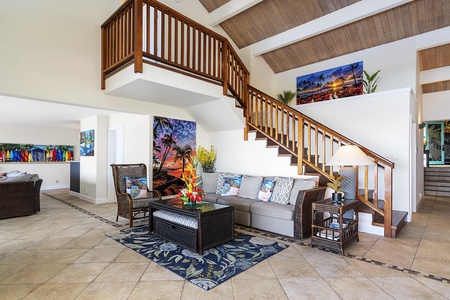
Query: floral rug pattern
{"points": [[207, 271]]}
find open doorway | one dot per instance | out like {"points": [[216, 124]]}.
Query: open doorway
{"points": [[437, 143]]}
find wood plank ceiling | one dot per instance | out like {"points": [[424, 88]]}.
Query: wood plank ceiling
{"points": [[271, 17]]}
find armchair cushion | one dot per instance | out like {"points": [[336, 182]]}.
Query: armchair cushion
{"points": [[250, 186], [300, 185]]}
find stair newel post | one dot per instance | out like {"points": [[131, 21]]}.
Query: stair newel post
{"points": [[137, 28], [388, 201], [300, 145]]}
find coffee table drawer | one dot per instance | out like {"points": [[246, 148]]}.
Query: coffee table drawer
{"points": [[176, 233]]}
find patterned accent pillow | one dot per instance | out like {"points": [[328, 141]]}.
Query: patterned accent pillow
{"points": [[266, 190], [231, 186], [136, 187], [220, 178], [282, 190]]}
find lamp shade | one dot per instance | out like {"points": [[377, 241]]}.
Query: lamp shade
{"points": [[349, 156]]}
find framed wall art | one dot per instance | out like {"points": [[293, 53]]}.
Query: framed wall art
{"points": [[335, 83]]}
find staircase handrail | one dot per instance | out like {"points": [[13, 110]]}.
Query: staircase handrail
{"points": [[293, 131]]}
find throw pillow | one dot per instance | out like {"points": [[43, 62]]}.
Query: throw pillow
{"points": [[220, 178], [282, 190], [250, 186], [231, 186], [300, 185], [209, 182], [266, 190], [136, 187]]}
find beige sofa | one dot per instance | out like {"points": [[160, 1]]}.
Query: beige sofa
{"points": [[287, 212]]}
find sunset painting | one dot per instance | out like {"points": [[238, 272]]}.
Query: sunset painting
{"points": [[339, 82], [174, 146]]}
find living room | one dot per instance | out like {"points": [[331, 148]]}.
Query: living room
{"points": [[53, 56]]}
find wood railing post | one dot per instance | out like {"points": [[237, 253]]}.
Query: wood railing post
{"points": [[225, 67], [104, 51], [388, 201], [300, 146], [137, 28]]}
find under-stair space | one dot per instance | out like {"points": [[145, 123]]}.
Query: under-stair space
{"points": [[437, 181]]}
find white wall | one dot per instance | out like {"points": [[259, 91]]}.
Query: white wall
{"points": [[49, 172], [380, 122]]}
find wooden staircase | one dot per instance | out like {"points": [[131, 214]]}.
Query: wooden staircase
{"points": [[147, 31]]}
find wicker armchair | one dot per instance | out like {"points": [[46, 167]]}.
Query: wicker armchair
{"points": [[303, 211], [127, 207]]}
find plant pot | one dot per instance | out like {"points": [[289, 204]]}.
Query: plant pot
{"points": [[337, 197]]}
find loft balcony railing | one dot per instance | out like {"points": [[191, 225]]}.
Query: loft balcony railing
{"points": [[146, 31]]}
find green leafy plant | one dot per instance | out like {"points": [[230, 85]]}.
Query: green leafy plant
{"points": [[370, 82], [335, 184], [286, 97]]}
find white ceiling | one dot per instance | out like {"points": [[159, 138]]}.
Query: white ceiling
{"points": [[32, 113]]}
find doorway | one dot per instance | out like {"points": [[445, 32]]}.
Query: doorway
{"points": [[437, 143]]}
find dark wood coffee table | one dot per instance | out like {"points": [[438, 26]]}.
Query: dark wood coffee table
{"points": [[215, 224]]}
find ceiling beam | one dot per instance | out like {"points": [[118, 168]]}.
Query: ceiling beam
{"points": [[341, 17], [229, 10]]}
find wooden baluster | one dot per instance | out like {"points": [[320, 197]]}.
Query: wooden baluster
{"points": [[138, 63]]}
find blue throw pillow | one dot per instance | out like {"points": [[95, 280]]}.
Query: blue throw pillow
{"points": [[136, 187]]}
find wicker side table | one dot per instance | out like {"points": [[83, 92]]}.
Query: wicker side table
{"points": [[330, 229]]}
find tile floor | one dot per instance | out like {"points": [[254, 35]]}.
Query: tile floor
{"points": [[62, 253]]}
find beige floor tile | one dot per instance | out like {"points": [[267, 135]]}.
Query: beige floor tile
{"points": [[307, 288], [128, 255], [357, 288], [82, 243], [158, 290], [99, 255], [393, 253], [51, 291], [34, 274], [154, 272], [289, 267], [8, 270], [62, 256], [330, 264], [107, 242], [257, 289], [406, 288], [441, 288], [16, 291], [372, 270], [78, 273], [50, 243], [261, 270], [433, 267], [107, 290], [25, 257], [119, 272], [224, 291]]}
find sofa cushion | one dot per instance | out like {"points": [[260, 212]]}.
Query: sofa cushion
{"points": [[282, 190], [220, 178], [266, 190], [211, 197], [240, 204], [250, 186], [274, 210], [209, 182], [300, 185]]}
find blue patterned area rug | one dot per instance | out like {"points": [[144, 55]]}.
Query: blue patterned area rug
{"points": [[207, 271]]}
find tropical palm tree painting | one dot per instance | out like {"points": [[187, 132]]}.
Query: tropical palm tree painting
{"points": [[339, 82], [174, 144], [87, 139]]}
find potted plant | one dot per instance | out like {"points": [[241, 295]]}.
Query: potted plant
{"points": [[207, 159], [335, 185], [370, 82], [286, 97]]}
